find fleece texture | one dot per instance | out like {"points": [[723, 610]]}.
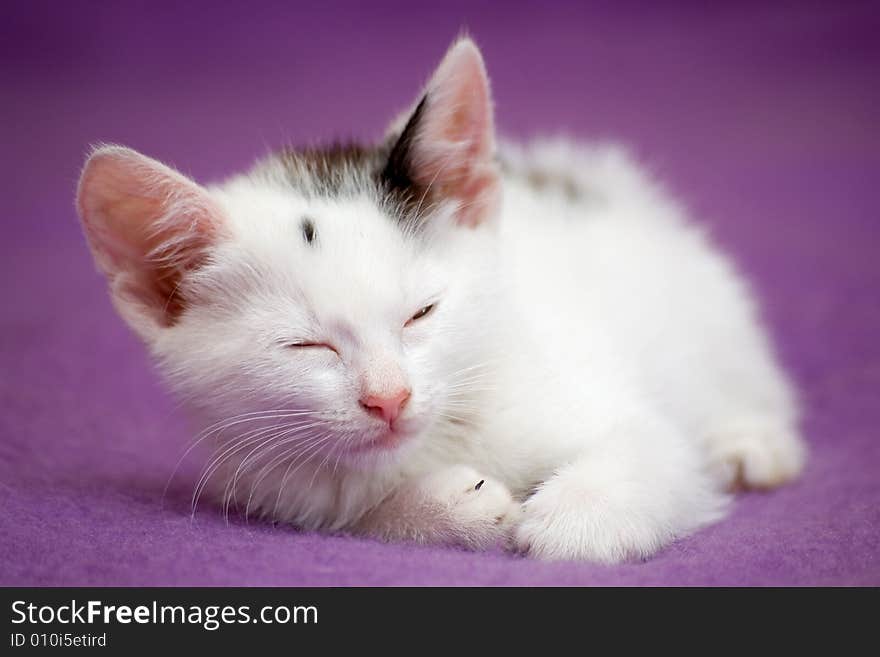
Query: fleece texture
{"points": [[764, 120]]}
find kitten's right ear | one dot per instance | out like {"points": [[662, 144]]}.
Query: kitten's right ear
{"points": [[148, 226], [447, 146]]}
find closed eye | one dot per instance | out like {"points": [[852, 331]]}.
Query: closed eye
{"points": [[423, 312], [304, 344]]}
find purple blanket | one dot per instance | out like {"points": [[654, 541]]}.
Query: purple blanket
{"points": [[765, 119]]}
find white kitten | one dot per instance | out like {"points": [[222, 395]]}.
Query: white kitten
{"points": [[438, 340]]}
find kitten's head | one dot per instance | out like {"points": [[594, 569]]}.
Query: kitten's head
{"points": [[343, 294]]}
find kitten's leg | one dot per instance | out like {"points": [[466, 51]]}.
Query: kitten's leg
{"points": [[749, 413], [755, 452], [454, 506], [751, 437], [636, 487]]}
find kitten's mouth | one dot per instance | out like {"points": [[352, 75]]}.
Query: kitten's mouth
{"points": [[388, 440]]}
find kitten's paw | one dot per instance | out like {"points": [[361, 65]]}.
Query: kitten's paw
{"points": [[481, 512], [600, 510], [756, 455], [558, 526]]}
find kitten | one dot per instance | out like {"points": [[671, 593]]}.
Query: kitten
{"points": [[440, 340]]}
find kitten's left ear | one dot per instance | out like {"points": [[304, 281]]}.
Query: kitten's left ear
{"points": [[447, 147]]}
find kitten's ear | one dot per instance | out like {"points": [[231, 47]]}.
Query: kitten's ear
{"points": [[447, 147], [147, 226]]}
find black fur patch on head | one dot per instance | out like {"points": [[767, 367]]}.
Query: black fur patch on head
{"points": [[332, 171], [398, 173], [348, 169], [308, 230], [398, 177]]}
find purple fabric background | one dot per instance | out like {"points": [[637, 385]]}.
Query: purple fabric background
{"points": [[766, 120]]}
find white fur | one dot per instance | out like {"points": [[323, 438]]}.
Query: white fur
{"points": [[591, 357]]}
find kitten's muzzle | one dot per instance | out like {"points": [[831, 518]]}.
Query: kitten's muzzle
{"points": [[386, 406]]}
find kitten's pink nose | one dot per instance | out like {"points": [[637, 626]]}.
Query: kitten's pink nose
{"points": [[386, 406]]}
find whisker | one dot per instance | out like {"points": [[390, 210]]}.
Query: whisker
{"points": [[274, 436], [291, 436], [236, 444], [311, 451], [221, 426]]}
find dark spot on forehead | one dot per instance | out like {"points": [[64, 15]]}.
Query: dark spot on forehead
{"points": [[308, 230]]}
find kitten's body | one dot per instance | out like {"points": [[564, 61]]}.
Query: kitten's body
{"points": [[585, 354]]}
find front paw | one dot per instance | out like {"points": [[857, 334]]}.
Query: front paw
{"points": [[555, 529], [480, 511]]}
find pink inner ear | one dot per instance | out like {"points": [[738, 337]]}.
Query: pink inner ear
{"points": [[147, 226], [455, 146]]}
